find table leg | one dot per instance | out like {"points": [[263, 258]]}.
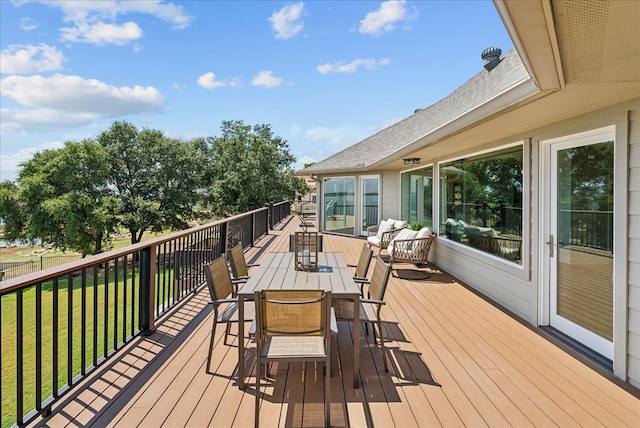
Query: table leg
{"points": [[356, 342], [241, 342]]}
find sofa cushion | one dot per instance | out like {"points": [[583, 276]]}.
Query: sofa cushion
{"points": [[398, 224], [424, 232], [373, 240], [385, 226], [480, 231]]}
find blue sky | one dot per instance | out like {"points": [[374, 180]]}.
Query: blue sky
{"points": [[323, 74]]}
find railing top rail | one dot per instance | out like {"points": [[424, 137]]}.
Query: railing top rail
{"points": [[29, 279]]}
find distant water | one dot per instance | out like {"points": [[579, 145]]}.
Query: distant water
{"points": [[18, 243]]}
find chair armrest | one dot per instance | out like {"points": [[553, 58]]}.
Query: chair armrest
{"points": [[372, 230], [359, 280], [375, 302], [232, 300]]}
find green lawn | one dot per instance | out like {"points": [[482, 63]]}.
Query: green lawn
{"points": [[107, 333]]}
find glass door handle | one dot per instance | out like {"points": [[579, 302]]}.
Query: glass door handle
{"points": [[551, 245]]}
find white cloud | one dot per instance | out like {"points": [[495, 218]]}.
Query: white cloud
{"points": [[304, 160], [97, 21], [385, 18], [267, 79], [62, 100], [25, 59], [101, 33], [27, 24], [287, 21], [341, 136], [208, 81], [352, 67]]}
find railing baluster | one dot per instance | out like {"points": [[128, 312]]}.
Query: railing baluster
{"points": [[83, 323], [38, 346], [116, 285], [70, 329], [105, 321], [19, 357], [95, 315], [55, 361], [125, 275]]}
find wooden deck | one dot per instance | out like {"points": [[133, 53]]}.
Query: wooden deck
{"points": [[456, 360]]}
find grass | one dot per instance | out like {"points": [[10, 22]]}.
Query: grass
{"points": [[110, 331]]}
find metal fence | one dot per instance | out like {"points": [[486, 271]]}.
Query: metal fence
{"points": [[13, 269], [59, 324]]}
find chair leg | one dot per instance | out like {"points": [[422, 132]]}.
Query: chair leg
{"points": [[384, 354], [327, 394], [257, 415], [211, 342], [226, 333]]}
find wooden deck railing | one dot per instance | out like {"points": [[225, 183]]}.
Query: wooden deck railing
{"points": [[59, 324]]}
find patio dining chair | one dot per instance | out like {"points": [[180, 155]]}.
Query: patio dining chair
{"points": [[293, 325], [370, 307], [362, 268], [239, 265], [225, 307]]}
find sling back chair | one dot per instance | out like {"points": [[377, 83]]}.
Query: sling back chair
{"points": [[371, 306], [293, 325], [225, 307]]}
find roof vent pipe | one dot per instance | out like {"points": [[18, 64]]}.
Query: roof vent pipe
{"points": [[491, 57]]}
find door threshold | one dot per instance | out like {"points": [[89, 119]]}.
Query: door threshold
{"points": [[579, 348]]}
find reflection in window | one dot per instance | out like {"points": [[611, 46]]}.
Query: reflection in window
{"points": [[339, 200], [416, 197], [481, 202]]}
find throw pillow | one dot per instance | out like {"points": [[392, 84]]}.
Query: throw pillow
{"points": [[384, 227]]}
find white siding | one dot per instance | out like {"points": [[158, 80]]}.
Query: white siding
{"points": [[634, 250], [390, 195], [490, 276]]}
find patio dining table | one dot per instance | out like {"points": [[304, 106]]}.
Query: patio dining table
{"points": [[278, 272]]}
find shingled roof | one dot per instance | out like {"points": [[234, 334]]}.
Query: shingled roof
{"points": [[478, 91]]}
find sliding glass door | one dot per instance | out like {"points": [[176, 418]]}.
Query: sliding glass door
{"points": [[339, 205], [370, 201]]}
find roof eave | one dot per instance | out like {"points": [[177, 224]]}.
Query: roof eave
{"points": [[530, 25]]}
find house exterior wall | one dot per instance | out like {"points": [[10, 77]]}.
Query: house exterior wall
{"points": [[634, 250], [520, 289]]}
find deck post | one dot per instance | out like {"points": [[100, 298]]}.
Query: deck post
{"points": [[269, 206], [147, 292]]}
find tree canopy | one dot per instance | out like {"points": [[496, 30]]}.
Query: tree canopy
{"points": [[248, 167], [154, 178], [75, 197], [64, 199]]}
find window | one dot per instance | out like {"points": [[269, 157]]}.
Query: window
{"points": [[416, 197], [481, 202]]}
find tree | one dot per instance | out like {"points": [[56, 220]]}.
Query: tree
{"points": [[65, 198], [154, 178], [12, 211], [249, 167]]}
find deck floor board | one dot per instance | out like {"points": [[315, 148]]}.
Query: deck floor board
{"points": [[455, 359]]}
